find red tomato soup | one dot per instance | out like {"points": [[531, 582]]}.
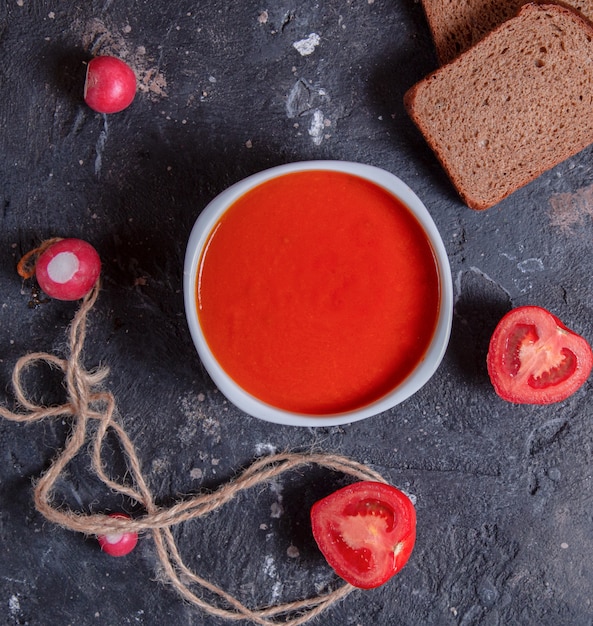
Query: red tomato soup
{"points": [[318, 292]]}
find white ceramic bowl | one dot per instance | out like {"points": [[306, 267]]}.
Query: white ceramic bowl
{"points": [[247, 402]]}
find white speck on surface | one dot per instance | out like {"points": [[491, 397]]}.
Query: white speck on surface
{"points": [[292, 552], [51, 15], [262, 18], [269, 569], [320, 586], [100, 147], [276, 591], [531, 265], [249, 144], [523, 285], [20, 3], [14, 606], [479, 272], [159, 466], [196, 415], [307, 46], [196, 473], [127, 28], [564, 545], [277, 488], [263, 449], [269, 566], [276, 510], [316, 127], [298, 100]]}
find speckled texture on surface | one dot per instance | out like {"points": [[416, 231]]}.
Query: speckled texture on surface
{"points": [[503, 492]]}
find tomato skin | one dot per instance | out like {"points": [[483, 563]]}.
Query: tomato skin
{"points": [[366, 532], [533, 358]]}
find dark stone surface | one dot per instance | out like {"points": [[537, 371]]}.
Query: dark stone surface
{"points": [[505, 529]]}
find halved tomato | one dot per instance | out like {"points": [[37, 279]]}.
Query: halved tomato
{"points": [[366, 532], [534, 358]]}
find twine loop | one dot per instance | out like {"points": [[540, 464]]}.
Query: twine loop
{"points": [[87, 401]]}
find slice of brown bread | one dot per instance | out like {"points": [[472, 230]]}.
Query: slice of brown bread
{"points": [[511, 107], [456, 25]]}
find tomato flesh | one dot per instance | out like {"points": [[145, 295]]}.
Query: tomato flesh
{"points": [[533, 358], [366, 532]]}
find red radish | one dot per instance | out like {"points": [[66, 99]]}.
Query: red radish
{"points": [[118, 544], [110, 85], [68, 269]]}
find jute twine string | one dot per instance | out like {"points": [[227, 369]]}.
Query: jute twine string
{"points": [[87, 402]]}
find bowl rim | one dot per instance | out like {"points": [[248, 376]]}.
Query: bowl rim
{"points": [[251, 405]]}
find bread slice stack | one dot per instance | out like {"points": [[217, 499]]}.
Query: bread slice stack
{"points": [[511, 106], [456, 26]]}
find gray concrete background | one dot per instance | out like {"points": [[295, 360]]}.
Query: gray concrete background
{"points": [[503, 492]]}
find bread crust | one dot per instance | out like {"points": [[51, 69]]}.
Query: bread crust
{"points": [[456, 26], [511, 107]]}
